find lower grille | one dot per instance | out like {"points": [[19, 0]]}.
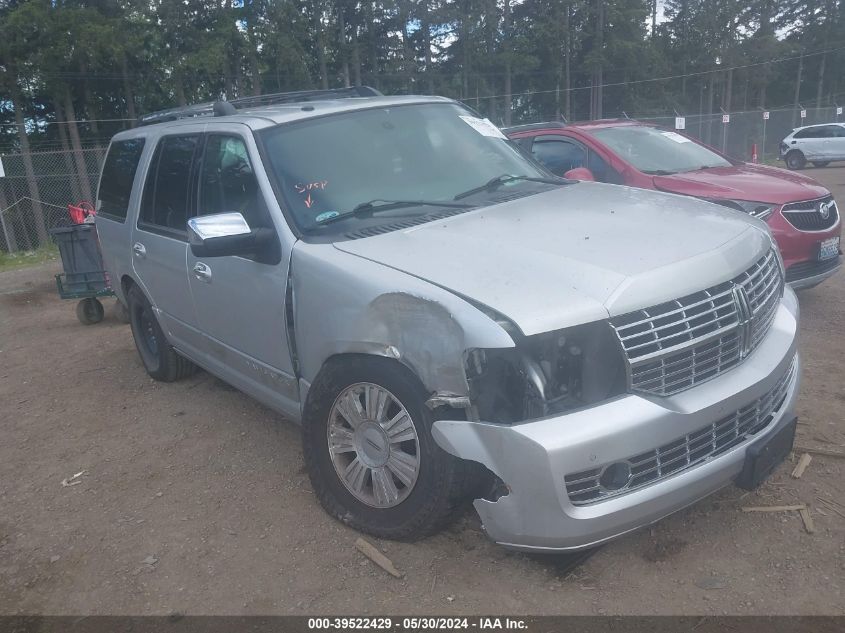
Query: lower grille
{"points": [[803, 270], [687, 451], [807, 216]]}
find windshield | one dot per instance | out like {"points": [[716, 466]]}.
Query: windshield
{"points": [[328, 166], [656, 151]]}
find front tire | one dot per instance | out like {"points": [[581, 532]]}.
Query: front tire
{"points": [[161, 361], [795, 159], [368, 448]]}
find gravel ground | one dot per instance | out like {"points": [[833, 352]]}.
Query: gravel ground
{"points": [[193, 499]]}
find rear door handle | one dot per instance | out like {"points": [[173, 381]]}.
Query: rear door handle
{"points": [[202, 272], [139, 249]]}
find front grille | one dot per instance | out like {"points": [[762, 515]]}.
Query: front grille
{"points": [[803, 270], [687, 451], [806, 216], [678, 344]]}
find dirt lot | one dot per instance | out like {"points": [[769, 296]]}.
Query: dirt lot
{"points": [[194, 500]]}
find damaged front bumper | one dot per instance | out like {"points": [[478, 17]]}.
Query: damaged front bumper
{"points": [[534, 458]]}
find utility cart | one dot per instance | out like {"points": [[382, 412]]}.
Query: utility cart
{"points": [[84, 277]]}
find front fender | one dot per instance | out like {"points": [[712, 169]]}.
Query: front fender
{"points": [[345, 304]]}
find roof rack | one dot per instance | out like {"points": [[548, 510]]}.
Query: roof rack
{"points": [[223, 108]]}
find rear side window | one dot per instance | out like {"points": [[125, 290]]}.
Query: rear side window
{"points": [[118, 176], [810, 132], [166, 201]]}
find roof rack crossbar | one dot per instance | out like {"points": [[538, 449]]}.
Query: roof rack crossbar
{"points": [[208, 108]]}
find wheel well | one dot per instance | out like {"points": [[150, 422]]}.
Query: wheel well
{"points": [[335, 363], [126, 282]]}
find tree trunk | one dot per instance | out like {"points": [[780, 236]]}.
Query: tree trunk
{"points": [[796, 101], [356, 54], [31, 181], [711, 90], [341, 44], [179, 88], [78, 156], [321, 45], [407, 53], [598, 71], [653, 18], [426, 31], [67, 158], [91, 110], [506, 47], [127, 91], [465, 54], [821, 82], [372, 42], [567, 99]]}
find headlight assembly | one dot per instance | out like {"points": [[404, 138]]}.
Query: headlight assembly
{"points": [[759, 210], [546, 374]]}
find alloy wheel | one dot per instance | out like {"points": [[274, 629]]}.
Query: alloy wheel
{"points": [[374, 445]]}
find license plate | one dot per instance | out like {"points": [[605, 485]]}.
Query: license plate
{"points": [[763, 456], [829, 248]]}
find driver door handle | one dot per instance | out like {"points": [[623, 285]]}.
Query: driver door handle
{"points": [[139, 249], [202, 272]]}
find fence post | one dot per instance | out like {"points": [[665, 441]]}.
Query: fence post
{"points": [[11, 244]]}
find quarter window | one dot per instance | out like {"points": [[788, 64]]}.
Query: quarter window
{"points": [[118, 176], [166, 201]]}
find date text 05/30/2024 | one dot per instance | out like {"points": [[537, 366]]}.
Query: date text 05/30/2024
{"points": [[480, 623]]}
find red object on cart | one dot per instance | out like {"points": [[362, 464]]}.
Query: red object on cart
{"points": [[79, 211]]}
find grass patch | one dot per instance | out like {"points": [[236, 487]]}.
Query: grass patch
{"points": [[21, 259]]}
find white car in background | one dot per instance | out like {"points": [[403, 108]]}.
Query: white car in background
{"points": [[818, 144]]}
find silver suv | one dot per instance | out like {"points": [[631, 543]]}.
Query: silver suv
{"points": [[448, 320]]}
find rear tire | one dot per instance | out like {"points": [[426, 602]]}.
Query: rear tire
{"points": [[426, 500], [89, 311], [795, 159], [821, 163], [161, 361]]}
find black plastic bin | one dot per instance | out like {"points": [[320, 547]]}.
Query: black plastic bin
{"points": [[81, 259]]}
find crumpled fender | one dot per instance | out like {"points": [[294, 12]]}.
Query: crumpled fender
{"points": [[346, 304]]}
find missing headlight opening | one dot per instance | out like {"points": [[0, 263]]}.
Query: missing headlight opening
{"points": [[545, 374]]}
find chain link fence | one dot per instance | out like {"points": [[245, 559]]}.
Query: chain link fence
{"points": [[737, 135], [38, 186], [35, 192]]}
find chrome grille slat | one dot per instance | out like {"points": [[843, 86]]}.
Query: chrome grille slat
{"points": [[689, 330], [675, 345], [688, 451], [725, 294]]}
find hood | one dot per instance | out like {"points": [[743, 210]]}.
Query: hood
{"points": [[758, 183], [574, 254]]}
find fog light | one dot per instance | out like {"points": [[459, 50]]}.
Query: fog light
{"points": [[615, 476]]}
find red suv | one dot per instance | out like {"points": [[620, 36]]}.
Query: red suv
{"points": [[800, 212]]}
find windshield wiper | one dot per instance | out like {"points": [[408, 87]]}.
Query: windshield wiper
{"points": [[376, 205], [660, 172], [498, 181]]}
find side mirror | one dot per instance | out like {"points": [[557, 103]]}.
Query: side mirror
{"points": [[580, 173], [223, 234]]}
